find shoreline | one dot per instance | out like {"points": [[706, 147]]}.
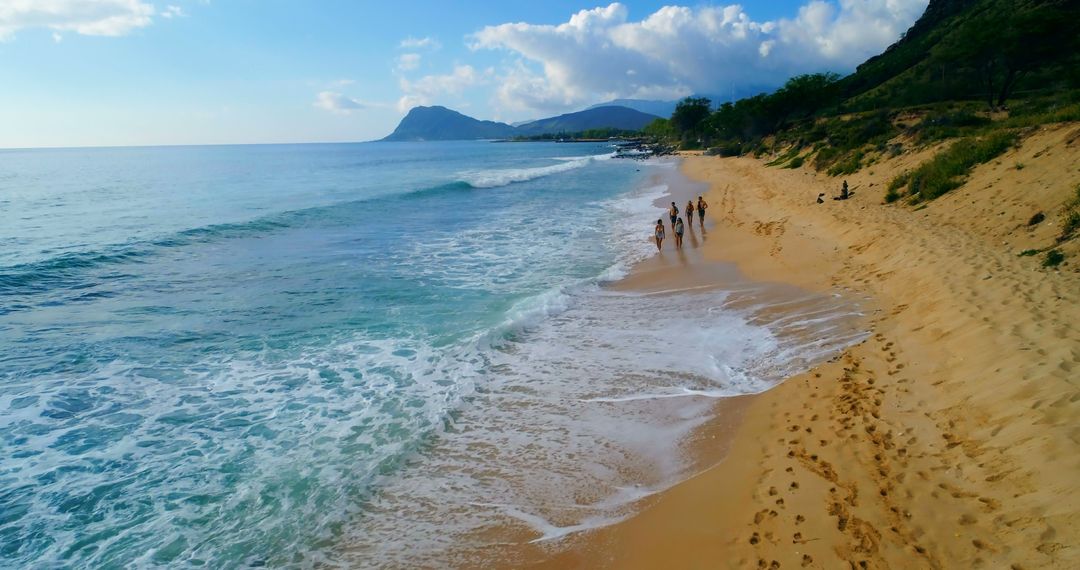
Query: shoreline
{"points": [[687, 271], [946, 439]]}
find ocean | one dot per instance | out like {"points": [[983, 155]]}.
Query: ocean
{"points": [[356, 355]]}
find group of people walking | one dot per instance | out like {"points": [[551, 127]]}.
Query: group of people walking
{"points": [[677, 226]]}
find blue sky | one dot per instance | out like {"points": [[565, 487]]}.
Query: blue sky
{"points": [[133, 72]]}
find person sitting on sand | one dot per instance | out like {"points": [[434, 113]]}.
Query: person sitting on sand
{"points": [[673, 213], [844, 194], [690, 213], [658, 232], [678, 233], [821, 198], [701, 205]]}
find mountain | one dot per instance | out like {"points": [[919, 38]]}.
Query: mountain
{"points": [[442, 124], [658, 108], [596, 118]]}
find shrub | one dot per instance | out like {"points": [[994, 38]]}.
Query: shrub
{"points": [[1070, 224], [796, 162], [848, 165], [892, 192], [949, 168], [1070, 219], [783, 158], [1029, 252], [825, 157], [1053, 258], [726, 148], [946, 125]]}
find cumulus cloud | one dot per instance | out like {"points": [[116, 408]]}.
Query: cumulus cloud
{"points": [[420, 43], [408, 61], [675, 51], [87, 17], [337, 102], [425, 90]]}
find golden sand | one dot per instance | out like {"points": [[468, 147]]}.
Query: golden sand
{"points": [[950, 438]]}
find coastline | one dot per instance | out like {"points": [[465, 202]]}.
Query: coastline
{"points": [[946, 439]]}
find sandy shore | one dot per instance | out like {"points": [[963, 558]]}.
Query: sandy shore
{"points": [[949, 439]]}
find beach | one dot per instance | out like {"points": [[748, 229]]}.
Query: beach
{"points": [[948, 438], [512, 365], [847, 382]]}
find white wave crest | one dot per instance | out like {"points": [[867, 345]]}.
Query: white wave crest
{"points": [[503, 177]]}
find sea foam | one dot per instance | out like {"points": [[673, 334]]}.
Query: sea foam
{"points": [[503, 177]]}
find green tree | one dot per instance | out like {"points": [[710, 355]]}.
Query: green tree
{"points": [[660, 129], [1002, 45], [689, 118]]}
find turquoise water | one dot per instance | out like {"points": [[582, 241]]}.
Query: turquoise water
{"points": [[295, 355]]}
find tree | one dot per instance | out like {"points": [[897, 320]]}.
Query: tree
{"points": [[1031, 40], [1003, 45], [804, 95], [659, 128], [689, 117]]}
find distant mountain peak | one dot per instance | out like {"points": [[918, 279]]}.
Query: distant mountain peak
{"points": [[439, 123]]}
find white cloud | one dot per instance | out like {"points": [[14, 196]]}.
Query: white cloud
{"points": [[337, 103], [420, 43], [87, 17], [171, 11], [675, 51], [425, 90], [57, 38], [408, 61]]}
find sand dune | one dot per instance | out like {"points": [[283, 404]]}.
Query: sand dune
{"points": [[951, 437]]}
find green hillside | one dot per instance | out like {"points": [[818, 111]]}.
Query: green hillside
{"points": [[964, 69]]}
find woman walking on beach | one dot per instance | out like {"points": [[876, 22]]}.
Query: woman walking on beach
{"points": [[673, 212], [658, 232], [678, 233], [690, 213], [701, 205]]}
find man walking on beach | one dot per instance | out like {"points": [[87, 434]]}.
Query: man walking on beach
{"points": [[701, 205], [673, 213]]}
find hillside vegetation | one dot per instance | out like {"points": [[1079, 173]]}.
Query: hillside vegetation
{"points": [[965, 66], [970, 80]]}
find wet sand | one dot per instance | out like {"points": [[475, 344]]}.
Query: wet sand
{"points": [[949, 438]]}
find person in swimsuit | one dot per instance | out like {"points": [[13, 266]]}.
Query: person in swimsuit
{"points": [[658, 232], [701, 205], [690, 213], [678, 233], [673, 213]]}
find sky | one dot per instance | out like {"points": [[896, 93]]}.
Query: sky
{"points": [[144, 72]]}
